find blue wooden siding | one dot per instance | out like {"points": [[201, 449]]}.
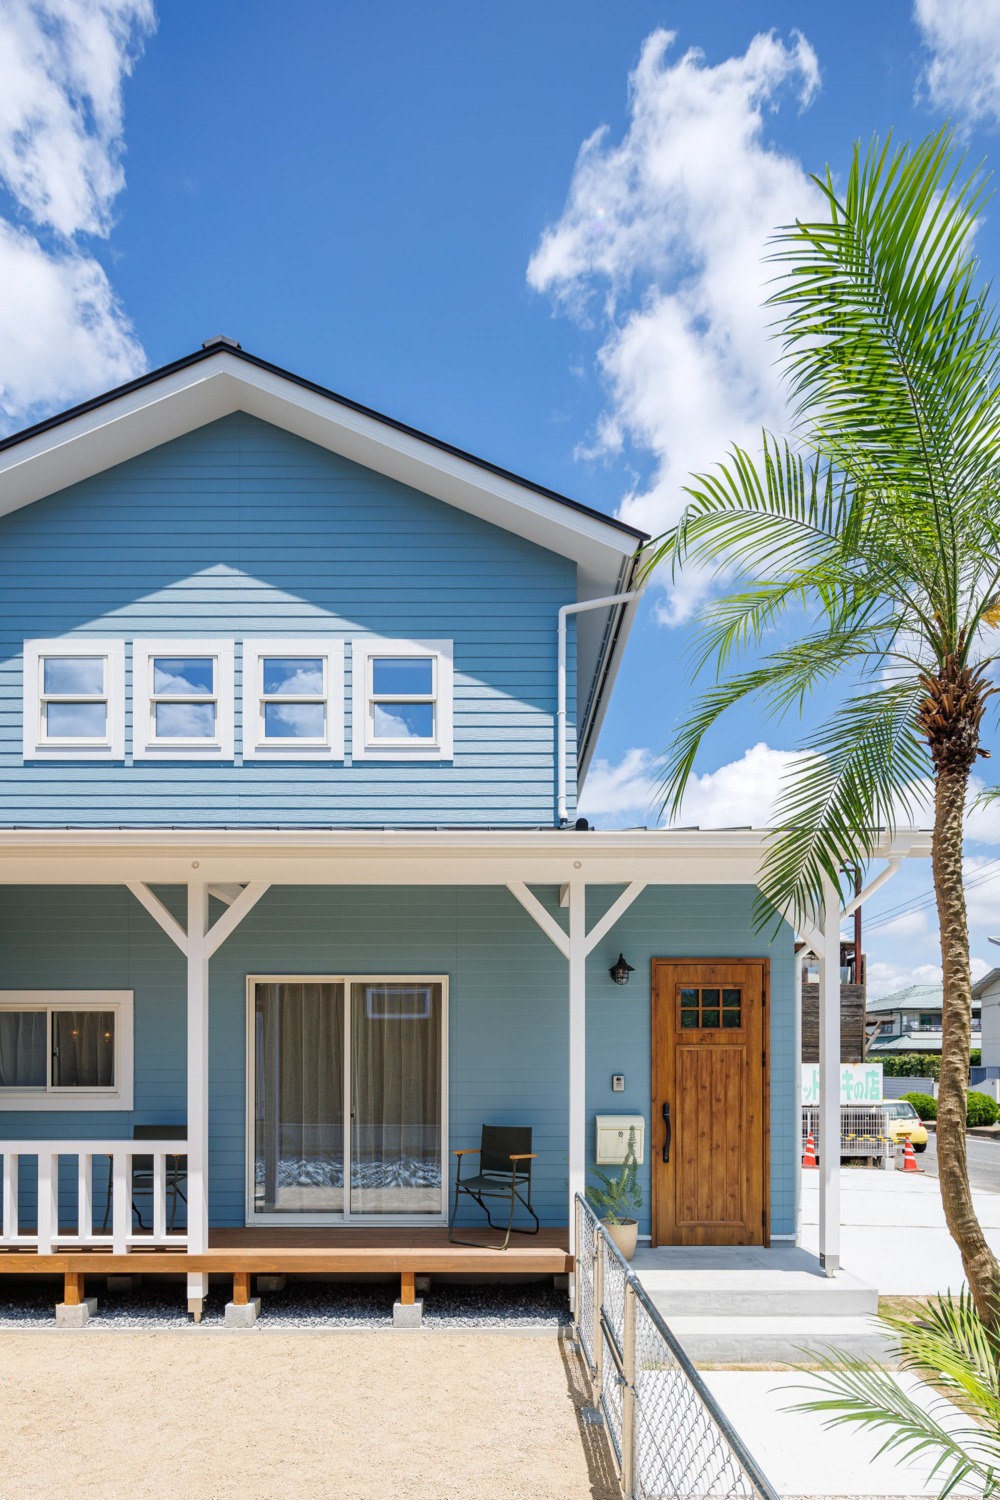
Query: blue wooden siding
{"points": [[242, 529], [508, 1006]]}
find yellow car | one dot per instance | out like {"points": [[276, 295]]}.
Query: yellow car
{"points": [[904, 1122]]}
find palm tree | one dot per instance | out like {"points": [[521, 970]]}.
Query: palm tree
{"points": [[861, 559], [953, 1349]]}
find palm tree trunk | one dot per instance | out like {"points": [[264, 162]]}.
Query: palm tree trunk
{"points": [[981, 1266]]}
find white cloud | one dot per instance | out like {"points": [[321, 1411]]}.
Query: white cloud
{"points": [[662, 240], [962, 73], [739, 794], [885, 978], [63, 333]]}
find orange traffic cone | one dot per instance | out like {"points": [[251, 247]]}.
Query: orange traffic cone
{"points": [[909, 1158], [809, 1160]]}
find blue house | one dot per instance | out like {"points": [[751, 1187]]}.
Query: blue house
{"points": [[295, 706]]}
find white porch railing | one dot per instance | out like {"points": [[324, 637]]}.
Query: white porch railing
{"points": [[50, 1235]]}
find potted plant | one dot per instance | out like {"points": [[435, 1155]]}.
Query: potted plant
{"points": [[616, 1198]]}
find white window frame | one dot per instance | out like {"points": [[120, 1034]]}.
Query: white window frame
{"points": [[364, 744], [256, 745], [304, 1221], [36, 744], [120, 1096], [145, 745]]}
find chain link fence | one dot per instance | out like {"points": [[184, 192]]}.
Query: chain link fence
{"points": [[670, 1438]]}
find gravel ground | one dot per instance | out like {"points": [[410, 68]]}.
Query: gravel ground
{"points": [[27, 1303], [355, 1416]]}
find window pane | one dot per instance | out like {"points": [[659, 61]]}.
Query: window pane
{"points": [[689, 999], [402, 675], [298, 1098], [709, 997], [73, 674], [731, 1018], [396, 1098], [689, 1020], [293, 677], [183, 674], [78, 721], [710, 1018], [22, 1049], [403, 721], [189, 721], [83, 1049], [294, 721], [731, 997]]}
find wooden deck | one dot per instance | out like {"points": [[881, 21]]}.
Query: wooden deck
{"points": [[335, 1251]]}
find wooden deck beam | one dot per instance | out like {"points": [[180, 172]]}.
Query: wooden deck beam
{"points": [[347, 1252]]}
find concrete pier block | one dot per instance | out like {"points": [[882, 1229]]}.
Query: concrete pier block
{"points": [[242, 1314], [408, 1314], [75, 1314], [271, 1283]]}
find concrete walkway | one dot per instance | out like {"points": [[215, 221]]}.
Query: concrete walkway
{"points": [[893, 1230], [802, 1457]]}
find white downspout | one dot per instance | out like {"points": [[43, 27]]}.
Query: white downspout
{"points": [[565, 611]]}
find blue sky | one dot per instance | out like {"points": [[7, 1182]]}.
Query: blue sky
{"points": [[409, 204]]}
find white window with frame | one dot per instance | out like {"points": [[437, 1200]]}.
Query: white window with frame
{"points": [[293, 699], [74, 700], [182, 699], [402, 700], [66, 1049]]}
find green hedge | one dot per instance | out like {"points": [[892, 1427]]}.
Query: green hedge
{"points": [[910, 1065], [982, 1110], [925, 1106]]}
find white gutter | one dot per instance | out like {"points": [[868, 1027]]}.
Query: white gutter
{"points": [[565, 611]]}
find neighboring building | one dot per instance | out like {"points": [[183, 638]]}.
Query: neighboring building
{"points": [[295, 706], [852, 1006], [909, 1020], [986, 993]]}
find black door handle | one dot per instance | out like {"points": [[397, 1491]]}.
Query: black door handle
{"points": [[666, 1138]]}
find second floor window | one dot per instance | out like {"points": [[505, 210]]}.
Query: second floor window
{"points": [[402, 696], [183, 699], [73, 692], [293, 699]]}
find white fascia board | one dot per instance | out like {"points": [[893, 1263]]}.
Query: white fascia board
{"points": [[190, 398], [386, 857]]}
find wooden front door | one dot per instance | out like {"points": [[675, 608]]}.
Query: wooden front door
{"points": [[709, 1152]]}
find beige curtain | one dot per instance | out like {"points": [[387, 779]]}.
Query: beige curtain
{"points": [[396, 1098], [299, 1105]]}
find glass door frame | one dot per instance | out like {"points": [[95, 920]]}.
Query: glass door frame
{"points": [[287, 1218]]}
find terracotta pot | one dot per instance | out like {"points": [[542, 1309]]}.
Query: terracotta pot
{"points": [[624, 1233]]}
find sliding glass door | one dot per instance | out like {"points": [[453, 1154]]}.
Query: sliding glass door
{"points": [[365, 1049]]}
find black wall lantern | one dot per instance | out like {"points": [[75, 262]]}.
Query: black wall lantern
{"points": [[621, 970]]}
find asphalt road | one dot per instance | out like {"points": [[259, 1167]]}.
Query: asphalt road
{"points": [[984, 1160]]}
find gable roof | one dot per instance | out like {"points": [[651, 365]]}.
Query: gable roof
{"points": [[913, 997], [222, 378]]}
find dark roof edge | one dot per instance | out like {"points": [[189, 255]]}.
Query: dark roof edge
{"points": [[141, 381]]}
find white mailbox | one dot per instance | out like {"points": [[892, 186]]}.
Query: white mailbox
{"points": [[612, 1138]]}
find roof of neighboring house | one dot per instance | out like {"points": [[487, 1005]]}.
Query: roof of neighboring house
{"points": [[927, 1041], [987, 982], [222, 378], [913, 997]]}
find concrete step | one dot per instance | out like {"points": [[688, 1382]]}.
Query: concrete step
{"points": [[777, 1340], [757, 1293]]}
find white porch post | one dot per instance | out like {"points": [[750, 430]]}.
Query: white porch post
{"points": [[799, 959], [829, 1084], [197, 1086], [577, 1122]]}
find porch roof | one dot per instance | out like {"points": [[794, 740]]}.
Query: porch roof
{"points": [[394, 856]]}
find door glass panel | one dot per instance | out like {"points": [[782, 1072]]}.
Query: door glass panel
{"points": [[83, 1049], [299, 1098], [22, 1049], [396, 1098]]}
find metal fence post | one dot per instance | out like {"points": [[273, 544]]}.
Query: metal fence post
{"points": [[628, 1393], [598, 1344]]}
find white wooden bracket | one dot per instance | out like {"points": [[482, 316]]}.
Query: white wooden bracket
{"points": [[242, 900], [547, 922]]}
